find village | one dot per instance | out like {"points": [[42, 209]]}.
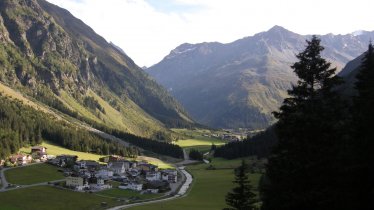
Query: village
{"points": [[93, 176]]}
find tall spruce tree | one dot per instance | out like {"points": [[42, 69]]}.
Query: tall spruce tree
{"points": [[303, 167], [241, 197], [363, 138]]}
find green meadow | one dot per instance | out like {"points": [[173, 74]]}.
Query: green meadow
{"points": [[50, 198], [33, 174], [196, 139], [127, 194]]}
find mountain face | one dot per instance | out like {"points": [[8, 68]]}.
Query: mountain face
{"points": [[349, 73], [54, 58], [239, 84]]}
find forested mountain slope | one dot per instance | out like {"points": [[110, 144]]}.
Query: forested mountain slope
{"points": [[51, 56]]}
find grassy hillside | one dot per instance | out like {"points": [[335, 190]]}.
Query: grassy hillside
{"points": [[49, 56], [58, 150], [53, 149]]}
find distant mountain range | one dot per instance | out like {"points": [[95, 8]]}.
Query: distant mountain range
{"points": [[56, 60], [239, 84]]}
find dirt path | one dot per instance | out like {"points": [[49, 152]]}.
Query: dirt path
{"points": [[186, 160]]}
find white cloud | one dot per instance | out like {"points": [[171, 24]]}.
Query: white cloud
{"points": [[147, 34]]}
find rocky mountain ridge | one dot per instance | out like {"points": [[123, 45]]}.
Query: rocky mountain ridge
{"points": [[239, 84]]}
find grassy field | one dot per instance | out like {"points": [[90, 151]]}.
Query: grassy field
{"points": [[196, 139], [33, 174], [49, 198], [208, 190], [57, 150], [119, 193]]}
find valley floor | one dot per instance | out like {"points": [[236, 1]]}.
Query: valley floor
{"points": [[207, 191]]}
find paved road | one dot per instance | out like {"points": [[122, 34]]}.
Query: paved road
{"points": [[32, 185], [108, 136], [181, 193], [4, 183]]}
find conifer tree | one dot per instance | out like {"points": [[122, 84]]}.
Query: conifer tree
{"points": [[363, 137], [303, 166], [241, 197]]}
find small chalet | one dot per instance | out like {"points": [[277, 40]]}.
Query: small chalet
{"points": [[117, 167], [114, 158], [63, 160], [153, 176], [98, 184], [170, 175], [104, 173], [39, 152], [38, 149], [131, 186], [146, 167], [133, 172], [87, 164], [76, 182], [171, 178], [163, 186]]}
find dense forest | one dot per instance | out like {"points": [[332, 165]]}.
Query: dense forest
{"points": [[196, 155], [21, 125], [321, 151], [259, 145], [159, 147], [156, 146], [325, 151]]}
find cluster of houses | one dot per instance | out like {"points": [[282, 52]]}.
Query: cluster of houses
{"points": [[38, 154], [86, 175], [227, 137]]}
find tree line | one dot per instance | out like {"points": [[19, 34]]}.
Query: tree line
{"points": [[195, 154], [21, 126], [159, 147], [259, 145]]}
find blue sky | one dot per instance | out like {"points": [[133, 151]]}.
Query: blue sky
{"points": [[148, 30]]}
